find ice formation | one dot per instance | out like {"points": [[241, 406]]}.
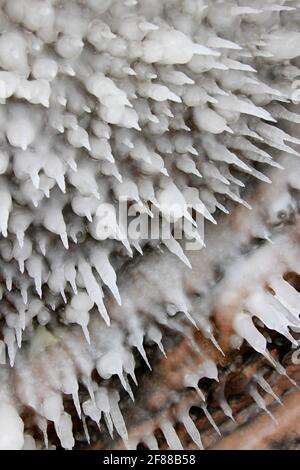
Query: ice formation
{"points": [[154, 105]]}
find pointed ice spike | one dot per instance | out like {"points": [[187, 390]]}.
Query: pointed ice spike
{"points": [[76, 402], [43, 424], [64, 239], [70, 275], [5, 207], [122, 380], [109, 424], [137, 246], [24, 294], [106, 272], [220, 43], [8, 281], [191, 380], [10, 341], [171, 436], [191, 429], [216, 344], [244, 327], [20, 237], [21, 265], [271, 313], [89, 386], [236, 198], [34, 266], [128, 388], [117, 417], [34, 177], [280, 369], [18, 336], [64, 431], [224, 404], [130, 371], [190, 318], [286, 294], [210, 419], [151, 442], [160, 345], [90, 409], [142, 352], [93, 288], [279, 112], [86, 430], [175, 248], [53, 219], [86, 333], [261, 403], [232, 103], [155, 335], [221, 207], [266, 387]]}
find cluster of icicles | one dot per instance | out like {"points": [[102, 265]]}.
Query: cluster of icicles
{"points": [[151, 103]]}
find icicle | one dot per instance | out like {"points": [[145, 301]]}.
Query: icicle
{"points": [[105, 270], [85, 429], [20, 132], [191, 380], [286, 294], [5, 207], [24, 289], [54, 222], [224, 404], [244, 327], [70, 275], [155, 335], [191, 196], [116, 415], [64, 431], [271, 313], [19, 222], [187, 165], [220, 43], [232, 103], [93, 288], [10, 341], [280, 369], [151, 442], [136, 339], [266, 387], [279, 112], [191, 428], [42, 424], [261, 403], [171, 436], [81, 317], [90, 409], [210, 419], [175, 248], [34, 266]]}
